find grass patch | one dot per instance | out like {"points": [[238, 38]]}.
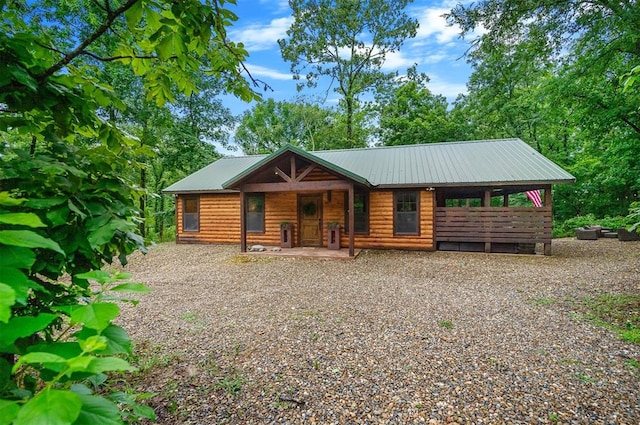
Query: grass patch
{"points": [[618, 312], [445, 324], [243, 259], [231, 385], [544, 301]]}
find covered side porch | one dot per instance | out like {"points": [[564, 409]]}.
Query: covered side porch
{"points": [[484, 219]]}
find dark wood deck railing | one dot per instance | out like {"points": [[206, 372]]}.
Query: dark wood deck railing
{"points": [[494, 224]]}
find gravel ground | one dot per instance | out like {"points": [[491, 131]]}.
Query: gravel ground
{"points": [[388, 338]]}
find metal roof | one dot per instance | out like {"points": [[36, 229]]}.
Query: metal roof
{"points": [[498, 162]]}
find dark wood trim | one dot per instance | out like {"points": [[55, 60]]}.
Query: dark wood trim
{"points": [[264, 212], [320, 185], [548, 203], [243, 227], [282, 174], [367, 199], [292, 161], [306, 172], [494, 225], [395, 203], [184, 201], [352, 221], [176, 198]]}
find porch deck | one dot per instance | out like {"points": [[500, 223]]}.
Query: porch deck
{"points": [[305, 252]]}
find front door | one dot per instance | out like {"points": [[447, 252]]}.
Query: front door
{"points": [[310, 213]]}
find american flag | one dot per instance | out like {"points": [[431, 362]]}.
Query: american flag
{"points": [[534, 196]]}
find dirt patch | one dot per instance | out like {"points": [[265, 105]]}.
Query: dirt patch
{"points": [[391, 337]]}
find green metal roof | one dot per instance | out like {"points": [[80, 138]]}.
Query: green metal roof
{"points": [[498, 162]]}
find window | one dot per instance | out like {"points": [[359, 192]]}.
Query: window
{"points": [[190, 214], [360, 212], [406, 213], [255, 212]]}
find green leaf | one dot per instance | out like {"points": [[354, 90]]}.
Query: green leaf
{"points": [[50, 407], [118, 341], [42, 204], [99, 276], [78, 364], [143, 411], [95, 316], [134, 15], [107, 364], [8, 201], [8, 411], [18, 257], [132, 287], [7, 299], [98, 410], [20, 283], [100, 235], [66, 350], [171, 45], [24, 219], [39, 358], [23, 326], [81, 389], [58, 216], [28, 239], [93, 343]]}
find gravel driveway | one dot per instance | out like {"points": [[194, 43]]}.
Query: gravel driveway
{"points": [[388, 338]]}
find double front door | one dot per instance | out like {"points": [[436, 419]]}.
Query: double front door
{"points": [[310, 220]]}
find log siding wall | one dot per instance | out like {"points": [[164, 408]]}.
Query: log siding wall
{"points": [[220, 220]]}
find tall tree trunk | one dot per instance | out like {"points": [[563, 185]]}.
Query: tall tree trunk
{"points": [[350, 140], [143, 186]]}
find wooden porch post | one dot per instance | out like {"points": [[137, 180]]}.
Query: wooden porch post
{"points": [[486, 202], [243, 227], [548, 203], [352, 221]]}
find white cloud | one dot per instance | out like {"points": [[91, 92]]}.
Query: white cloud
{"points": [[433, 24], [262, 37], [397, 61], [262, 71], [437, 85]]}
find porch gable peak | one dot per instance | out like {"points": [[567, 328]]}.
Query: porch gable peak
{"points": [[288, 170]]}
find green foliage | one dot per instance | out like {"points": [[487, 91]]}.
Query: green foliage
{"points": [[56, 337], [347, 42], [68, 206], [409, 113], [634, 215], [567, 227], [270, 125], [561, 80]]}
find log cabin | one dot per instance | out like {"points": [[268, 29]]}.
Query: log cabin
{"points": [[446, 196]]}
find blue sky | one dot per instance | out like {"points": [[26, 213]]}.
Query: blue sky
{"points": [[437, 49]]}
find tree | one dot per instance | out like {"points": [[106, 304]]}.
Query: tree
{"points": [[270, 125], [67, 206], [409, 113], [553, 72], [347, 41]]}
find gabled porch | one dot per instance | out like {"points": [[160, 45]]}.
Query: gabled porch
{"points": [[307, 185]]}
